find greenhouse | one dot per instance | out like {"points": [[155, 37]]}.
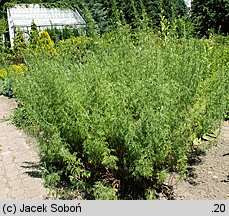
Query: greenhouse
{"points": [[21, 17]]}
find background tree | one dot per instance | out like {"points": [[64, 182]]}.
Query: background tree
{"points": [[99, 14], [103, 15], [133, 12], [34, 35], [19, 42], [208, 15]]}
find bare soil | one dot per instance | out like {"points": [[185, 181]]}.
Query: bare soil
{"points": [[208, 177]]}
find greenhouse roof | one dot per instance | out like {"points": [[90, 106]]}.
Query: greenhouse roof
{"points": [[21, 16]]}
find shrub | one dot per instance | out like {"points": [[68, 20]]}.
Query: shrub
{"points": [[118, 122], [34, 37], [7, 77], [102, 192], [3, 73], [19, 42], [65, 33], [46, 43], [7, 88], [19, 69]]}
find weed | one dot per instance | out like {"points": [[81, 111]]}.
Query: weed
{"points": [[116, 120]]}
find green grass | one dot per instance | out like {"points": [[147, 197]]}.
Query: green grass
{"points": [[115, 114]]}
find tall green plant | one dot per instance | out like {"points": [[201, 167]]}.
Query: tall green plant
{"points": [[118, 122], [34, 36], [19, 42]]}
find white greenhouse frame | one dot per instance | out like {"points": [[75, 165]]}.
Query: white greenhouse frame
{"points": [[21, 17]]}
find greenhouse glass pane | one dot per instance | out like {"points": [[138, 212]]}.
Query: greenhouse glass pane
{"points": [[21, 16]]}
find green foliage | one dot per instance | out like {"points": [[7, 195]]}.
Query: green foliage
{"points": [[115, 114], [110, 14], [7, 76], [19, 42], [116, 122], [46, 43], [177, 28], [2, 8], [102, 192], [150, 195], [62, 34], [210, 15], [34, 36], [6, 88], [53, 179], [67, 33], [54, 33], [183, 27], [3, 25], [3, 73], [99, 14], [102, 16], [76, 49]]}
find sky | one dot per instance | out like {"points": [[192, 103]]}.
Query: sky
{"points": [[189, 3]]}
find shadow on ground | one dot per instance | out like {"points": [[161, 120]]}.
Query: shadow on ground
{"points": [[194, 159], [33, 169]]}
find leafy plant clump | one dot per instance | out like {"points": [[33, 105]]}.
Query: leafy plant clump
{"points": [[116, 123]]}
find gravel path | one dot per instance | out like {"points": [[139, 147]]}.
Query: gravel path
{"points": [[19, 160], [209, 178]]}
